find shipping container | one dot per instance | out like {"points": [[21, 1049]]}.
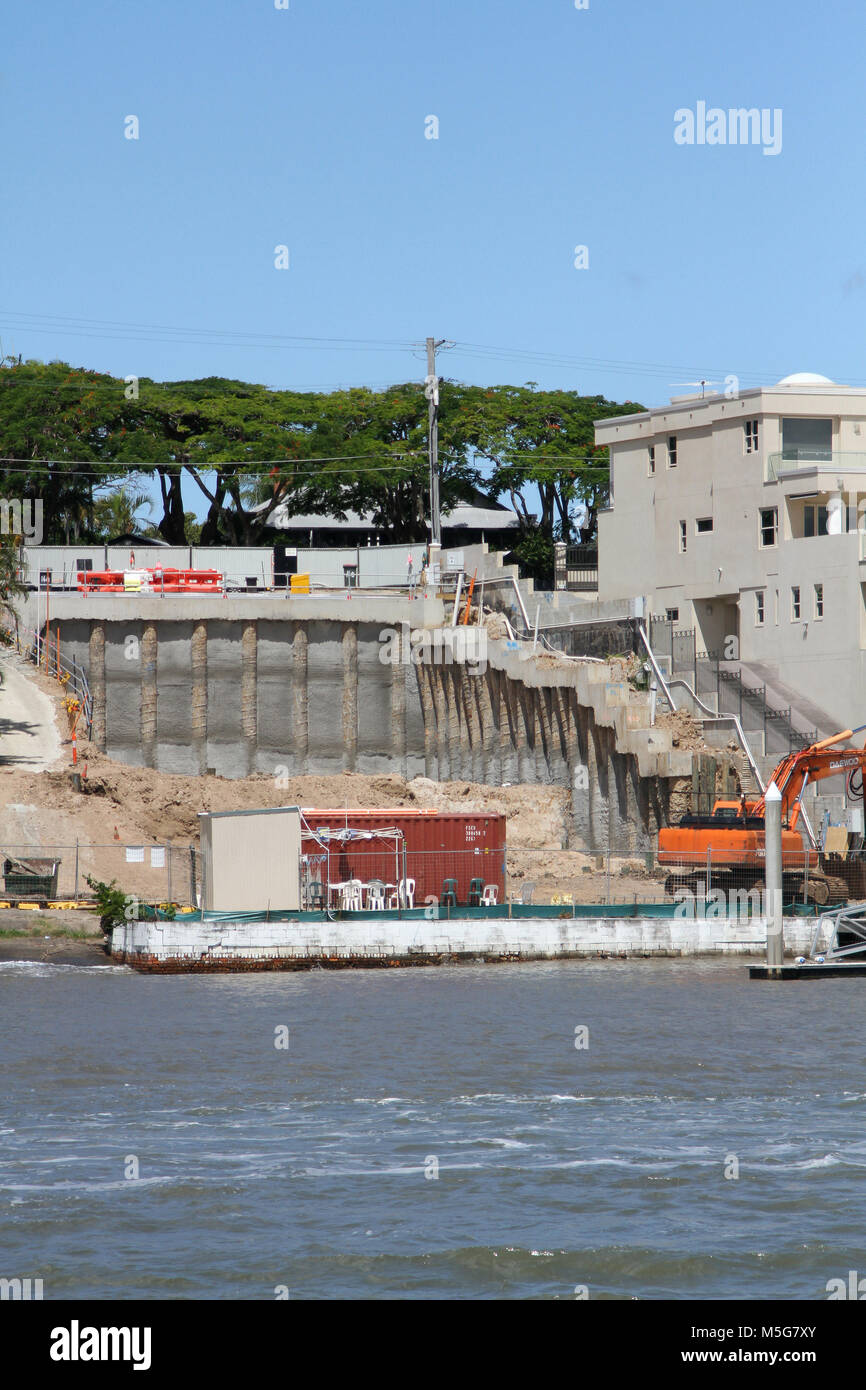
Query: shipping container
{"points": [[439, 845]]}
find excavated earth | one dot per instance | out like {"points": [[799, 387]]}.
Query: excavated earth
{"points": [[123, 805]]}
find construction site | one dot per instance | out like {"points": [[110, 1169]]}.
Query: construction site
{"points": [[143, 707]]}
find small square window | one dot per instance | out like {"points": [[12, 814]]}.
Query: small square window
{"points": [[703, 525], [819, 600], [651, 459], [672, 451], [795, 603], [684, 538], [759, 609], [769, 517], [672, 615]]}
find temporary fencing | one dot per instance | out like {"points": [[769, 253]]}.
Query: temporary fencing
{"points": [[379, 873]]}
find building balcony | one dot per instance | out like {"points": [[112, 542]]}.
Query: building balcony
{"points": [[795, 462]]}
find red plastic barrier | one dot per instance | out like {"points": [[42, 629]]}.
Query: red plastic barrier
{"points": [[154, 581]]}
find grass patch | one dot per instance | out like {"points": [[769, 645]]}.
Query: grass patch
{"points": [[47, 929]]}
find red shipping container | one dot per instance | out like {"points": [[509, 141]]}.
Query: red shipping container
{"points": [[440, 845]]}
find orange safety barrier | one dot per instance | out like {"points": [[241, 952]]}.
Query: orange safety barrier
{"points": [[150, 581]]}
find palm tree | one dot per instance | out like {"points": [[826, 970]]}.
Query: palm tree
{"points": [[114, 513]]}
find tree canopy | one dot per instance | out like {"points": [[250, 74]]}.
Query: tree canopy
{"points": [[76, 438]]}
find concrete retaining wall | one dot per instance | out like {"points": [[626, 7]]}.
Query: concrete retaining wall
{"points": [[292, 685]]}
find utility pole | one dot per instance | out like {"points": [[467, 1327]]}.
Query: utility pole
{"points": [[773, 871], [431, 390]]}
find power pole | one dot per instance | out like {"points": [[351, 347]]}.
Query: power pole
{"points": [[431, 389]]}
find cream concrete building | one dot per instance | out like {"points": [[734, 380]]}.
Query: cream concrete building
{"points": [[744, 516]]}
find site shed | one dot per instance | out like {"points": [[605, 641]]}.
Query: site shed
{"points": [[251, 860]]}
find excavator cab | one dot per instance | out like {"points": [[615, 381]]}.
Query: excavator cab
{"points": [[729, 842]]}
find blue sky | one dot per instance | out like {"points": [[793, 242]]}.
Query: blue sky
{"points": [[305, 127]]}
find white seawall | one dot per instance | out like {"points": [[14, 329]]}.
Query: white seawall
{"points": [[201, 945]]}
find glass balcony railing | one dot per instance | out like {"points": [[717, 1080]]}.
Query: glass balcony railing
{"points": [[793, 460]]}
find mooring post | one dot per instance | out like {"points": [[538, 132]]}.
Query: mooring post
{"points": [[773, 870]]}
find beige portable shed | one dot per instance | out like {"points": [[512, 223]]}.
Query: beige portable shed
{"points": [[251, 860]]}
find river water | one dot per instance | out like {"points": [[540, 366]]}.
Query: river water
{"points": [[432, 1133]]}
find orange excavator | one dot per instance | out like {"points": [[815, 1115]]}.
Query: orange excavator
{"points": [[725, 849]]}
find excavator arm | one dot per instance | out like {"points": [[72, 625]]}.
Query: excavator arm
{"points": [[797, 770]]}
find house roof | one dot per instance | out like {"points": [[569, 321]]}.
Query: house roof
{"points": [[491, 516]]}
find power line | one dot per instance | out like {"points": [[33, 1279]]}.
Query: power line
{"points": [[51, 320]]}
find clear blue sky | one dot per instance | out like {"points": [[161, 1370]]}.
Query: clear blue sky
{"points": [[305, 126]]}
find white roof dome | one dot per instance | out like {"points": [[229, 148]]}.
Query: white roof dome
{"points": [[805, 379]]}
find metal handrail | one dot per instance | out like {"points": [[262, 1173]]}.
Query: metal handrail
{"points": [[77, 679], [708, 713]]}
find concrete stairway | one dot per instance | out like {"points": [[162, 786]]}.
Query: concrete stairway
{"points": [[805, 716]]}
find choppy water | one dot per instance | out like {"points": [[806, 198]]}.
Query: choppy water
{"points": [[557, 1167]]}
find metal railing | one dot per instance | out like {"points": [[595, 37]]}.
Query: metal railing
{"points": [[708, 674], [581, 568], [707, 713], [46, 655]]}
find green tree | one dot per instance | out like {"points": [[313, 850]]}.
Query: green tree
{"points": [[53, 436], [115, 513], [10, 586], [74, 439], [546, 439]]}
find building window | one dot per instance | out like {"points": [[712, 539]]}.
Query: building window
{"points": [[751, 427], [703, 525], [814, 521], [672, 451], [759, 608], [807, 440], [795, 603], [684, 539], [672, 615], [652, 459], [819, 600], [769, 526]]}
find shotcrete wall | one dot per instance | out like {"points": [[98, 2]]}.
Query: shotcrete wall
{"points": [[283, 689]]}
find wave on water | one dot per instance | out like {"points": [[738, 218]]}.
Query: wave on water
{"points": [[47, 967]]}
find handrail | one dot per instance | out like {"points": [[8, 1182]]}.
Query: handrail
{"points": [[77, 679], [708, 713], [520, 601]]}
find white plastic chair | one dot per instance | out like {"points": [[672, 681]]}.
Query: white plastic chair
{"points": [[375, 895], [353, 896], [490, 895], [405, 894]]}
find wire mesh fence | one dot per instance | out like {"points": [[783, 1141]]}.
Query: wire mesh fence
{"points": [[382, 875], [150, 872], [358, 872]]}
